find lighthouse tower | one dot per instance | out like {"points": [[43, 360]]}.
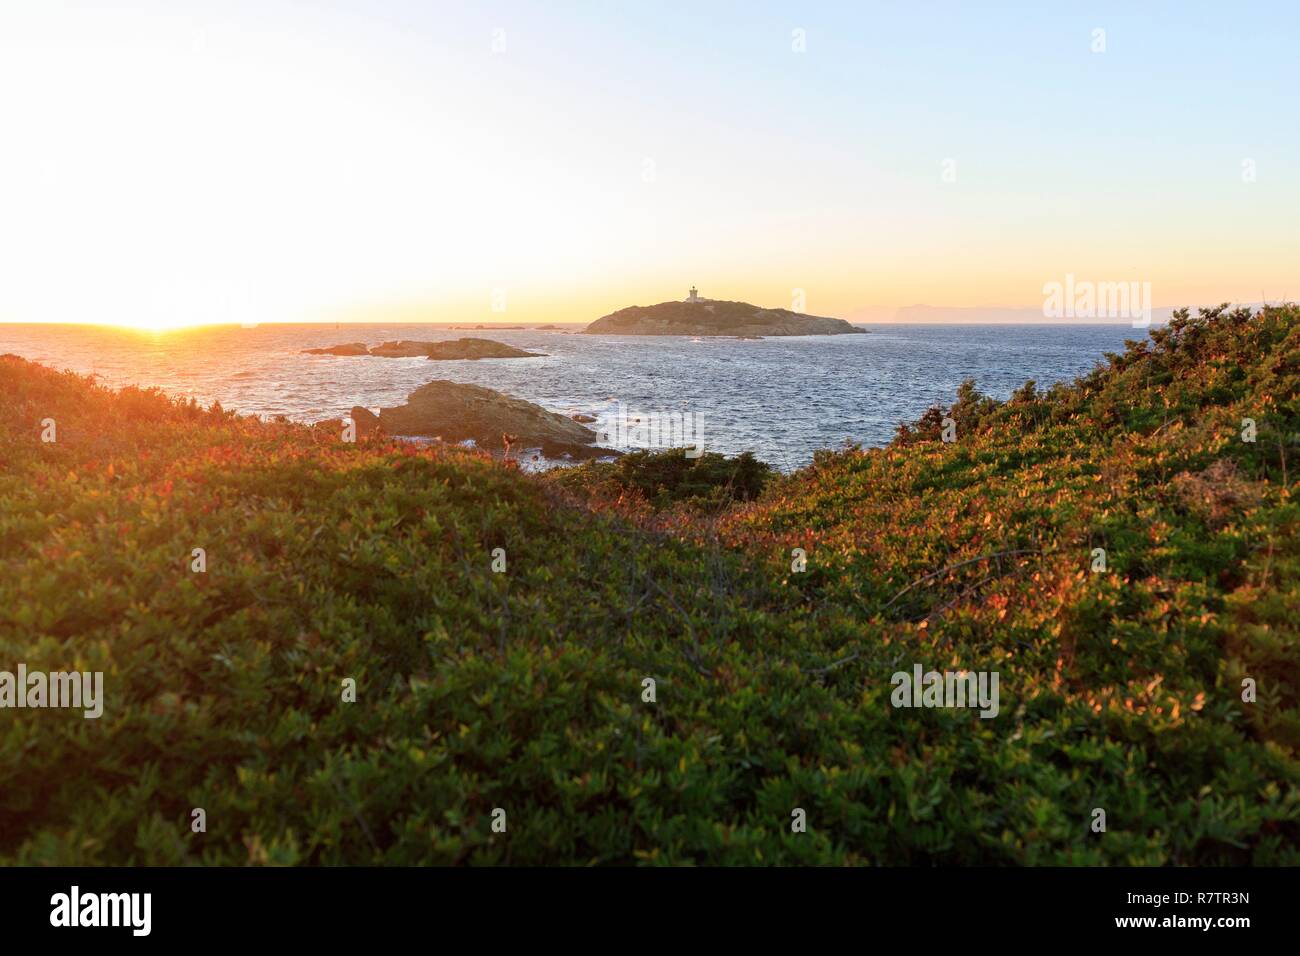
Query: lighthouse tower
{"points": [[694, 296]]}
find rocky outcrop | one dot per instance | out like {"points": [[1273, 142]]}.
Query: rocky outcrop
{"points": [[367, 422], [715, 317], [455, 412], [403, 348], [464, 348], [470, 348], [351, 348]]}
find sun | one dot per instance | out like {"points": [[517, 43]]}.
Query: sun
{"points": [[157, 326], [153, 322], [165, 307]]}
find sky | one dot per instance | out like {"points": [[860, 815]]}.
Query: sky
{"points": [[182, 162]]}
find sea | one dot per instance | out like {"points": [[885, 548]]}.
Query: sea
{"points": [[781, 398]]}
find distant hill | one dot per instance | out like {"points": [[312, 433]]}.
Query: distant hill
{"points": [[712, 317], [997, 315], [993, 315]]}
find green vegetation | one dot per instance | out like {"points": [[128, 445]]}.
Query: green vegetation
{"points": [[665, 478], [523, 690]]}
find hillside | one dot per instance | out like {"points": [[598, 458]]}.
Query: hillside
{"points": [[523, 690], [712, 317]]}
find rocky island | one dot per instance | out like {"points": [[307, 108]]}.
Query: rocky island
{"points": [[456, 412], [463, 348], [404, 348], [471, 348], [699, 316], [351, 348]]}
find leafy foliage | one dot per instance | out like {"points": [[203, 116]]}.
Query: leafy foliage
{"points": [[667, 477]]}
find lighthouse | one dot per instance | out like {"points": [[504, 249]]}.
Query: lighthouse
{"points": [[694, 296]]}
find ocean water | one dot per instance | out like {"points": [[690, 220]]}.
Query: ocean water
{"points": [[781, 398]]}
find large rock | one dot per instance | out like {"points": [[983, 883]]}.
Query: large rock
{"points": [[405, 348], [367, 422], [470, 348], [464, 348], [351, 348], [455, 412], [715, 317]]}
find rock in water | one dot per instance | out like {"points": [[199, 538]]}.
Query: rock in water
{"points": [[367, 422], [455, 412], [464, 348], [470, 348], [351, 348], [405, 348]]}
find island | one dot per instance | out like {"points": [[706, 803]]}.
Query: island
{"points": [[471, 348], [350, 348], [403, 348], [456, 412], [696, 315], [463, 348]]}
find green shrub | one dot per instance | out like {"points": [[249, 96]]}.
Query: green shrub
{"points": [[664, 478]]}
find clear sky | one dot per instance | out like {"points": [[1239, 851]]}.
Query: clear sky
{"points": [[277, 161]]}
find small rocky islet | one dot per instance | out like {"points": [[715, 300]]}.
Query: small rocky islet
{"points": [[495, 422], [463, 348]]}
